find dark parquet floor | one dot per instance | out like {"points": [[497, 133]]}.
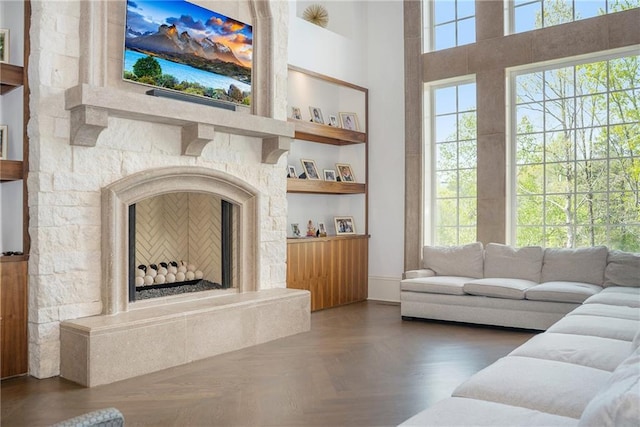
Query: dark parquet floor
{"points": [[360, 365]]}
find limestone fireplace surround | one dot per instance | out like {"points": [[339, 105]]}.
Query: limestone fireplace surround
{"points": [[98, 144]]}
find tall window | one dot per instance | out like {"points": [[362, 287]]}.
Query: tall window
{"points": [[532, 14], [449, 23], [577, 155], [454, 164]]}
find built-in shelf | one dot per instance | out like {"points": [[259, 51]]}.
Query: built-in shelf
{"points": [[326, 239], [325, 134], [11, 77], [13, 258], [11, 170], [295, 185], [92, 106]]}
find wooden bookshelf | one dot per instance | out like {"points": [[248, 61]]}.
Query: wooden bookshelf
{"points": [[325, 134], [314, 186], [11, 77], [11, 170]]}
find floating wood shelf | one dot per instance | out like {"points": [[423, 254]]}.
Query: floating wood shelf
{"points": [[11, 170], [310, 131], [11, 77], [323, 187]]}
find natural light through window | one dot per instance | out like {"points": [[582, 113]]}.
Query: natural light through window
{"points": [[577, 155], [454, 159], [452, 23], [532, 14]]}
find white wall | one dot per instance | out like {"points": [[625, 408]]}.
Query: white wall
{"points": [[372, 57], [385, 62]]}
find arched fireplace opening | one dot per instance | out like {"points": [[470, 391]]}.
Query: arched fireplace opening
{"points": [[181, 242]]}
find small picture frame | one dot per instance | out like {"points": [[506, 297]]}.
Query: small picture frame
{"points": [[291, 172], [4, 141], [296, 113], [333, 121], [295, 229], [4, 45], [345, 173], [350, 121], [322, 230], [329, 175], [316, 115], [310, 169], [344, 225]]}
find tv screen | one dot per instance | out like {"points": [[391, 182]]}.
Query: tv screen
{"points": [[183, 47]]}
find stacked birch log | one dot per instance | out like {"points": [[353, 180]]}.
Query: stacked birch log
{"points": [[171, 272]]}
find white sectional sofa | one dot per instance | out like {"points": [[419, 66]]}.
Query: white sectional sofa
{"points": [[501, 285], [584, 370]]}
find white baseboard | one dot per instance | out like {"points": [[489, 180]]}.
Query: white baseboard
{"points": [[384, 289]]}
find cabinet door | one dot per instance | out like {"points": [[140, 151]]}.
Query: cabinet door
{"points": [[13, 303], [348, 260], [307, 270]]}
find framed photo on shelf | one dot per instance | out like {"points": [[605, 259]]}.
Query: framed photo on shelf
{"points": [[295, 229], [316, 115], [329, 175], [345, 173], [296, 113], [291, 171], [322, 230], [350, 121], [4, 141], [310, 169], [344, 225], [333, 121], [4, 45]]}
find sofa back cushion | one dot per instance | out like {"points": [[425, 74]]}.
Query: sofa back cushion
{"points": [[575, 265], [623, 269], [464, 261], [513, 263]]}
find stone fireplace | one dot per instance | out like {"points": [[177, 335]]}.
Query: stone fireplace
{"points": [[119, 197], [99, 145]]}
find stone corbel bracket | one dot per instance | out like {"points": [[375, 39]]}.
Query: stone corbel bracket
{"points": [[91, 106]]}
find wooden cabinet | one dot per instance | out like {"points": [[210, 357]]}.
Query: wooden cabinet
{"points": [[13, 268], [333, 268], [13, 316]]}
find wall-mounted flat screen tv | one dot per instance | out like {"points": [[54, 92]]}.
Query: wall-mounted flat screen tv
{"points": [[183, 47]]}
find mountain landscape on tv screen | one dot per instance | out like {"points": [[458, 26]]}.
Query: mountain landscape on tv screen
{"points": [[178, 45]]}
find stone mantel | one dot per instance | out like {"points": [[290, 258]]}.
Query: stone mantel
{"points": [[91, 107]]}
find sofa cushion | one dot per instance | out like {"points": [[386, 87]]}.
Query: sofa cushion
{"points": [[544, 385], [575, 265], [450, 285], [518, 263], [561, 291], [617, 295], [595, 352], [498, 287], [618, 402], [609, 327], [458, 411], [606, 310], [623, 269], [465, 261]]}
